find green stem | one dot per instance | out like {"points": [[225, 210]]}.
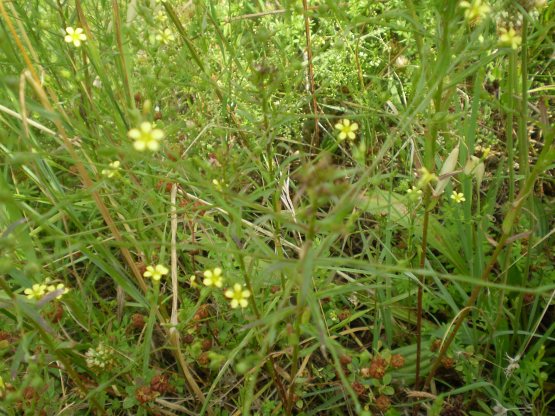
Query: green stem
{"points": [[509, 124]]}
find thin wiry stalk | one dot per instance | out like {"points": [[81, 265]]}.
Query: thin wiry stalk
{"points": [[315, 138]]}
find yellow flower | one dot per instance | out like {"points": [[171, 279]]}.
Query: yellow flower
{"points": [[114, 169], [426, 177], [75, 36], [346, 129], [156, 272], [146, 137], [193, 281], [458, 197], [475, 11], [161, 16], [59, 287], [36, 291], [165, 36], [213, 277], [238, 296], [509, 38]]}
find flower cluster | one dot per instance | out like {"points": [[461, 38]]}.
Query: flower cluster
{"points": [[38, 290], [238, 295], [414, 192], [112, 170], [100, 357]]}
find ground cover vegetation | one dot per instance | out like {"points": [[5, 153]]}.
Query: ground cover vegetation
{"points": [[309, 207]]}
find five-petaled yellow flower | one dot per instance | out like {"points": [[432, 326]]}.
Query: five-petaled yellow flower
{"points": [[36, 291], [238, 296], [458, 197], [346, 129], [213, 277], [156, 272], [165, 36], [509, 38], [113, 170], [75, 36], [193, 281], [146, 137], [475, 11], [59, 287]]}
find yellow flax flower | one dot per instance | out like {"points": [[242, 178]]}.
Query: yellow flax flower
{"points": [[238, 296], [458, 197], [193, 281], [509, 38], [165, 36], [161, 17], [475, 10], [113, 170], [213, 277], [59, 287], [36, 291], [146, 137], [156, 272], [346, 129], [75, 36]]}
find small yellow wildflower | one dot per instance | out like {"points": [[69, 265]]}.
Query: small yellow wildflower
{"points": [[213, 277], [475, 11], [161, 17], [509, 38], [238, 296], [458, 197], [112, 171], [346, 129], [193, 281], [36, 291], [426, 177], [146, 137], [156, 272], [75, 36], [59, 287], [165, 36]]}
